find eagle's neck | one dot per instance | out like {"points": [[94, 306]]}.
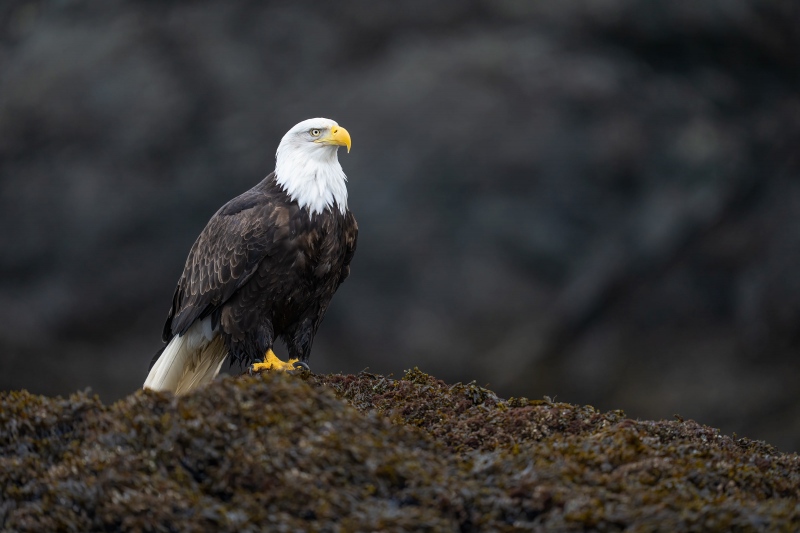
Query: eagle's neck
{"points": [[312, 176]]}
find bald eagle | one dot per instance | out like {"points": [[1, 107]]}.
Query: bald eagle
{"points": [[265, 267]]}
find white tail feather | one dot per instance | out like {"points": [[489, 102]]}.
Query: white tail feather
{"points": [[188, 361]]}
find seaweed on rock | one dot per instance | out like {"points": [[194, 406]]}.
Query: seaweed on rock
{"points": [[370, 453]]}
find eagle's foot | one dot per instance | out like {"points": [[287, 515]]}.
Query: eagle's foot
{"points": [[301, 366], [271, 362]]}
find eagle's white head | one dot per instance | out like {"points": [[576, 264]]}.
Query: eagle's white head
{"points": [[307, 165]]}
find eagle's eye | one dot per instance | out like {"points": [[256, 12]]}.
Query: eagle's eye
{"points": [[314, 133]]}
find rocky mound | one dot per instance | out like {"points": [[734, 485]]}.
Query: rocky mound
{"points": [[372, 453]]}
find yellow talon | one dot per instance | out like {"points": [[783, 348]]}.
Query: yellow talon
{"points": [[271, 362]]}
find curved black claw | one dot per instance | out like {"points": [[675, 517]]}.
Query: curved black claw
{"points": [[301, 365], [251, 371]]}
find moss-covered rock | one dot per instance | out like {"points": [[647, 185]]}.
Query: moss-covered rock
{"points": [[370, 453]]}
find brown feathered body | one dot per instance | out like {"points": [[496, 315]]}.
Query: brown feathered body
{"points": [[262, 269]]}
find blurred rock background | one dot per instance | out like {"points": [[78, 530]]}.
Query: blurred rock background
{"points": [[593, 200]]}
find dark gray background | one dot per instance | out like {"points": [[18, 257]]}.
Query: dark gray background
{"points": [[591, 200]]}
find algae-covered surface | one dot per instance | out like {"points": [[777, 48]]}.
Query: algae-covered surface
{"points": [[370, 453]]}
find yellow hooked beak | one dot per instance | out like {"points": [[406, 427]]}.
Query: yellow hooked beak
{"points": [[338, 136]]}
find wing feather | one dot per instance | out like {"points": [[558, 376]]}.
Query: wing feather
{"points": [[223, 258]]}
